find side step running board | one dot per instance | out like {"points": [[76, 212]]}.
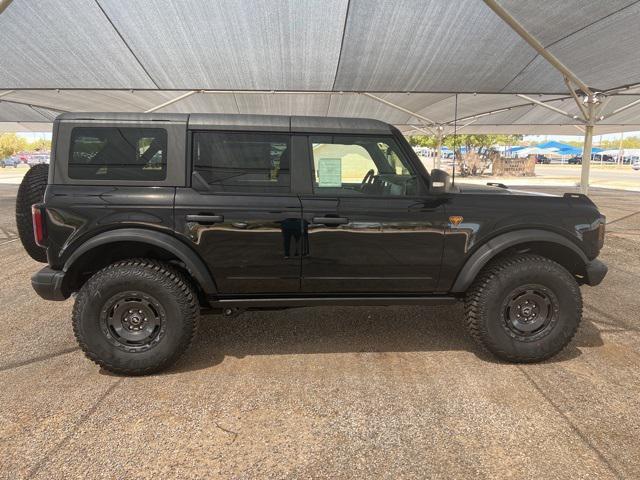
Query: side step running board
{"points": [[319, 301]]}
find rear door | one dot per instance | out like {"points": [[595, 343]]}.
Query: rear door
{"points": [[370, 226], [239, 212]]}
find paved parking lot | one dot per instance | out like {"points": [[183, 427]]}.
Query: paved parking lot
{"points": [[326, 392]]}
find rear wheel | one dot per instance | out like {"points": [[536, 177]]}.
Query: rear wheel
{"points": [[31, 191], [524, 308], [135, 317]]}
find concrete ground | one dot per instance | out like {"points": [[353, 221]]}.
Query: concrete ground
{"points": [[326, 392]]}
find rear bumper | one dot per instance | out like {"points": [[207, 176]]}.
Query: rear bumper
{"points": [[48, 284], [596, 270]]}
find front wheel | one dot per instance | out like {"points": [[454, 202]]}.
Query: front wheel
{"points": [[524, 308], [135, 317]]}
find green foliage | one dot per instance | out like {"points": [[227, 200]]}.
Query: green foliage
{"points": [[422, 141], [629, 142], [477, 142], [39, 145], [10, 143]]}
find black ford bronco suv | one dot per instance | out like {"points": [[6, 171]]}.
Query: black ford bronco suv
{"points": [[151, 218]]}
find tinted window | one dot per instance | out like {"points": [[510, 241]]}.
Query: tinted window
{"points": [[242, 162], [110, 153], [361, 166]]}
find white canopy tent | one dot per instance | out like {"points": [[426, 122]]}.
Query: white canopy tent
{"points": [[555, 66]]}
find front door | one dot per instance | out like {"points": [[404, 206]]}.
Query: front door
{"points": [[368, 226], [240, 213]]}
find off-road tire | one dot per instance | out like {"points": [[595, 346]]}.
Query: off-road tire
{"points": [[175, 296], [486, 318], [31, 191]]}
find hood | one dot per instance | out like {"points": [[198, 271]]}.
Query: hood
{"points": [[497, 189], [473, 188]]}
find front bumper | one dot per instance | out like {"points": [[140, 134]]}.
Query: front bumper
{"points": [[595, 272], [48, 284]]}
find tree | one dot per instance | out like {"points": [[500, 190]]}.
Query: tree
{"points": [[471, 142], [39, 145], [10, 143], [422, 141], [629, 142]]}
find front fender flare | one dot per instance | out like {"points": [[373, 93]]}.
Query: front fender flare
{"points": [[194, 264], [500, 243]]}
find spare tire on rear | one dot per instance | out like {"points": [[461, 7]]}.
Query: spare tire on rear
{"points": [[31, 191]]}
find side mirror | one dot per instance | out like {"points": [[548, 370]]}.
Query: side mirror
{"points": [[440, 181]]}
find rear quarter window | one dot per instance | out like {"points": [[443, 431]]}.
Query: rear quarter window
{"points": [[118, 153]]}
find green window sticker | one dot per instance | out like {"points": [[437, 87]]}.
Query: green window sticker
{"points": [[330, 172]]}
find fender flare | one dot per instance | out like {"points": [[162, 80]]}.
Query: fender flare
{"points": [[498, 244], [195, 265]]}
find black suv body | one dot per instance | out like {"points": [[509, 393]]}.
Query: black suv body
{"points": [[274, 211]]}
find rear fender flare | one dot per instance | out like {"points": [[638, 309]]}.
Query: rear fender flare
{"points": [[194, 264], [500, 243]]}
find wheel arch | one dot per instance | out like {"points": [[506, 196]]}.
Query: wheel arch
{"points": [[546, 243], [114, 245]]}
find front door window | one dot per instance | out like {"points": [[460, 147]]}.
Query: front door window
{"points": [[361, 166]]}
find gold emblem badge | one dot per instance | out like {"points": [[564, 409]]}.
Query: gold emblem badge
{"points": [[455, 220]]}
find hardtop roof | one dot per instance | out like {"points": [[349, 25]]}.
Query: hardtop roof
{"points": [[215, 121]]}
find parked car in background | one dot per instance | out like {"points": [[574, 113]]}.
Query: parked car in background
{"points": [[575, 160], [636, 165], [542, 159], [38, 159], [10, 162]]}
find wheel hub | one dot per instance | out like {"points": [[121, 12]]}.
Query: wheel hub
{"points": [[133, 321], [530, 312]]}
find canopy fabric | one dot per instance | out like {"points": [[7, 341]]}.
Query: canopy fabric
{"points": [[118, 55]]}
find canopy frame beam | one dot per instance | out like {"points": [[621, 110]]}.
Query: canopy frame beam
{"points": [[536, 45], [34, 105], [398, 107], [172, 101], [550, 107], [620, 110]]}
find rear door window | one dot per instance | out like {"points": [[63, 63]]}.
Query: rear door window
{"points": [[243, 162], [118, 153]]}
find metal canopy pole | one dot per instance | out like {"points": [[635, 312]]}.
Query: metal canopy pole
{"points": [[4, 4], [439, 135], [588, 142], [590, 97], [537, 46]]}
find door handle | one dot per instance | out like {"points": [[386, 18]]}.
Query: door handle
{"points": [[205, 218], [330, 220]]}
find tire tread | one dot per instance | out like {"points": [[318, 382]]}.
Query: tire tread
{"points": [[476, 299], [151, 270], [31, 191]]}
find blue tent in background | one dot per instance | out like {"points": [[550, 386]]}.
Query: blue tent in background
{"points": [[566, 149], [554, 144]]}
